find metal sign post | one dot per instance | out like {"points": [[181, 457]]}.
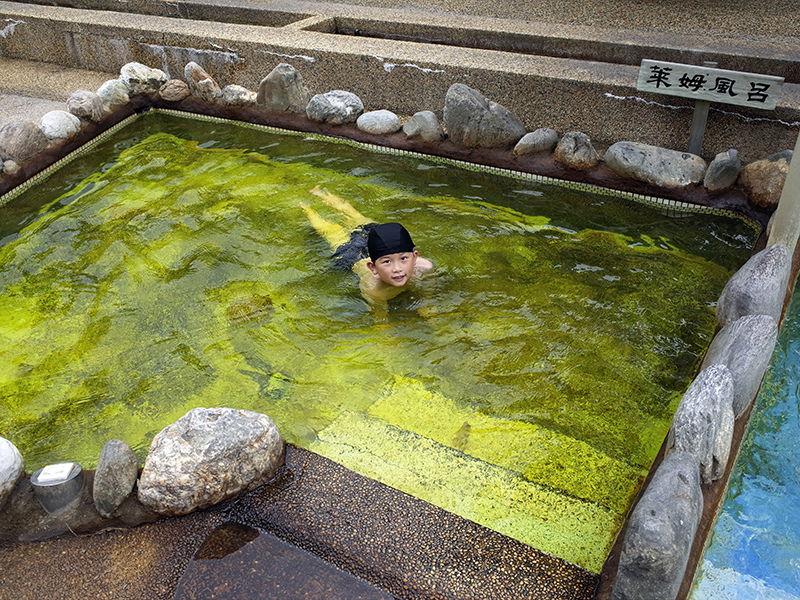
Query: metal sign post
{"points": [[708, 84], [699, 120]]}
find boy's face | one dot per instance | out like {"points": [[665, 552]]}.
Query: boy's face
{"points": [[394, 269]]}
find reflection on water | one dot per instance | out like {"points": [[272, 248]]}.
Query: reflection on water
{"points": [[754, 549], [236, 561], [224, 540]]}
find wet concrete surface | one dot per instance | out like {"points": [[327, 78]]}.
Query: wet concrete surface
{"points": [[402, 547]]}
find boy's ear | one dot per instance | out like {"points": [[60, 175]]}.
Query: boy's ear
{"points": [[371, 267]]}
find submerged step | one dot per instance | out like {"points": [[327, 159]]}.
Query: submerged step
{"points": [[495, 497], [538, 454], [237, 561]]}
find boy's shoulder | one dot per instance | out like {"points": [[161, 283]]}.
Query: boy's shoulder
{"points": [[423, 265]]}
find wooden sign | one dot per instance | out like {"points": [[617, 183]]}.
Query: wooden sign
{"points": [[709, 84]]}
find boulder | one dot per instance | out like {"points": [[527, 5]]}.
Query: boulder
{"points": [[207, 456], [335, 107], [86, 105], [201, 84], [575, 151], [284, 89], [59, 125], [660, 532], [474, 121], [758, 287], [20, 140], [744, 346], [426, 126], [379, 122], [236, 95], [654, 165], [117, 469], [113, 93], [174, 90], [12, 467], [723, 171], [543, 139], [703, 423], [763, 180], [141, 79]]}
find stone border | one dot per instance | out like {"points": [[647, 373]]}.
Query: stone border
{"points": [[669, 206]]}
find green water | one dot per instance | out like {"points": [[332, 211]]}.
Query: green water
{"points": [[157, 274]]}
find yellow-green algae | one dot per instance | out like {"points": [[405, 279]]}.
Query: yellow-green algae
{"points": [[538, 454], [498, 498], [179, 276]]}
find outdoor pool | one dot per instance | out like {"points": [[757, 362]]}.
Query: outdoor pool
{"points": [[527, 384]]}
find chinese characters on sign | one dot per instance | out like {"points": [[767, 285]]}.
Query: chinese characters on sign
{"points": [[713, 85]]}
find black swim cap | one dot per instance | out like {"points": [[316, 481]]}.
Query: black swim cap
{"points": [[388, 238]]}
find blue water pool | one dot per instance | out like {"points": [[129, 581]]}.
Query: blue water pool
{"points": [[754, 549]]}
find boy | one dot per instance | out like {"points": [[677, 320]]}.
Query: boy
{"points": [[383, 256]]}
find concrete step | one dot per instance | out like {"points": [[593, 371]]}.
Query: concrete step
{"points": [[761, 54], [498, 498], [538, 454]]}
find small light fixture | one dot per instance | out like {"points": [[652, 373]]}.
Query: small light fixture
{"points": [[56, 486]]}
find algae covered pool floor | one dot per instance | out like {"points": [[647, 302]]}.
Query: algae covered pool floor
{"points": [[527, 384]]}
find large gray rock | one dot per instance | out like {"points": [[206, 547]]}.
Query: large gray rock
{"points": [[20, 140], [658, 166], [59, 125], [660, 533], [763, 180], [236, 95], [474, 121], [12, 468], [141, 79], [723, 171], [744, 346], [337, 107], [113, 93], [284, 89], [425, 126], [86, 105], [575, 151], [201, 84], [207, 456], [379, 122], [758, 287], [703, 423], [543, 139], [117, 469]]}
